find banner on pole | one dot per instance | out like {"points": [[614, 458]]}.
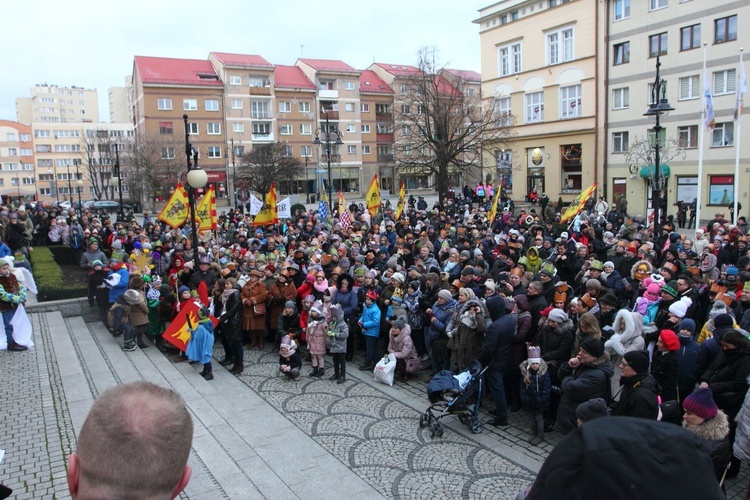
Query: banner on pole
{"points": [[284, 208]]}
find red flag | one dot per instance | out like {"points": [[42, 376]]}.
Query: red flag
{"points": [[203, 293], [177, 332]]}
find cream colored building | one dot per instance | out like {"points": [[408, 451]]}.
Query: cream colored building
{"points": [[17, 181], [54, 104], [120, 103], [539, 66], [676, 30]]}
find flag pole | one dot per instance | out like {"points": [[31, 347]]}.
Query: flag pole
{"points": [[737, 136], [700, 145]]}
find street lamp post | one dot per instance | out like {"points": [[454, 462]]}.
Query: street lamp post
{"points": [[307, 191], [659, 104], [196, 179], [70, 188], [79, 185], [332, 137], [119, 178]]}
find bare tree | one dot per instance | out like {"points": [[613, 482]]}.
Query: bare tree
{"points": [[155, 162], [267, 164], [441, 126], [98, 160], [641, 152]]}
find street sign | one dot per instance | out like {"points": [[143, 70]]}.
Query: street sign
{"points": [[320, 170]]}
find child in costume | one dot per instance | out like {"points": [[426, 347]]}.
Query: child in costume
{"points": [[201, 344], [536, 388]]}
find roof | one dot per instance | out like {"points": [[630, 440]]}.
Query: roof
{"points": [[291, 77], [329, 65], [466, 75], [242, 59], [370, 82], [400, 69], [177, 71]]}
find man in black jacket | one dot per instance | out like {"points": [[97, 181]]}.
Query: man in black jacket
{"points": [[639, 389], [496, 351]]}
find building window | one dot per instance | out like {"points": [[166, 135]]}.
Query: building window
{"points": [[364, 108], [238, 127], [287, 151], [405, 130], [190, 104], [349, 106], [570, 101], [262, 129], [213, 128], [560, 46], [405, 109], [193, 128], [421, 110], [327, 85], [510, 59], [657, 45], [502, 111], [721, 190], [621, 98], [235, 80], [236, 103], [351, 128], [305, 151], [164, 103], [621, 9], [688, 136], [165, 128], [259, 81], [690, 37], [571, 167], [285, 107], [689, 87], [725, 82], [657, 4], [259, 109], [723, 135], [24, 137], [212, 105], [349, 85], [725, 29], [382, 109], [304, 107], [351, 149], [404, 88], [620, 142], [621, 53], [305, 129], [365, 150], [214, 152], [365, 129], [41, 133], [285, 129], [26, 152], [167, 153], [239, 150], [534, 107]]}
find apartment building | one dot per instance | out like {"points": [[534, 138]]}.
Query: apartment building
{"points": [[17, 183], [539, 66], [676, 32], [376, 130], [55, 104], [165, 89], [120, 106]]}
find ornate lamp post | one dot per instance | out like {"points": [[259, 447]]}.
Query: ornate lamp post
{"points": [[196, 179], [659, 105], [331, 137]]}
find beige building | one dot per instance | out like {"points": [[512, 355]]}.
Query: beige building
{"points": [[17, 181], [54, 104], [539, 66], [120, 104], [676, 31]]}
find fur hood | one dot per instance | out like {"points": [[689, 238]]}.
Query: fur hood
{"points": [[525, 368], [629, 338], [635, 266], [714, 429]]}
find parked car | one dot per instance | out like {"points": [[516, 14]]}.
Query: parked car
{"points": [[105, 206]]}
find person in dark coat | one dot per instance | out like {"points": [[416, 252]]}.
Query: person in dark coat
{"points": [[727, 375], [626, 458], [686, 358], [230, 327], [704, 419], [496, 352], [638, 395], [664, 364], [584, 377]]}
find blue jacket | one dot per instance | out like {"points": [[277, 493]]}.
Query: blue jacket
{"points": [[4, 250], [535, 396], [200, 347], [371, 320], [442, 317], [686, 356], [348, 302], [121, 287]]}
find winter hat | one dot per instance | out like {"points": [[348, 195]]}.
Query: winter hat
{"points": [[670, 340], [609, 263], [723, 320], [182, 290], [701, 403], [288, 347], [591, 409], [687, 324], [593, 346], [373, 295], [596, 265], [719, 307], [679, 309], [534, 355], [414, 285], [399, 323], [733, 271], [317, 307], [652, 292], [97, 262], [445, 295], [638, 360], [609, 299], [671, 289], [290, 303], [558, 316], [132, 296], [4, 262], [398, 277]]}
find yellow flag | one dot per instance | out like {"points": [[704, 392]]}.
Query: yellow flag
{"points": [[175, 212], [578, 204], [495, 199], [401, 201], [205, 211], [268, 214], [373, 196]]}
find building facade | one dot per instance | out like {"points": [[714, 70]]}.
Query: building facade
{"points": [[17, 181], [55, 104]]}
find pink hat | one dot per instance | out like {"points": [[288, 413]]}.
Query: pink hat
{"points": [[652, 292]]}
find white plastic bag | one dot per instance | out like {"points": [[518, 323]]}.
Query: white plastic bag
{"points": [[385, 369]]}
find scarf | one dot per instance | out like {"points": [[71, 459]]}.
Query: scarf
{"points": [[225, 295]]}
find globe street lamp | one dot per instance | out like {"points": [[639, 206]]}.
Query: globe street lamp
{"points": [[196, 179], [332, 137], [659, 105]]}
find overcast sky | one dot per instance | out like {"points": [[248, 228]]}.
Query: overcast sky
{"points": [[92, 43]]}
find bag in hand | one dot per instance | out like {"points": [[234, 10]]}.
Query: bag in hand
{"points": [[259, 309]]}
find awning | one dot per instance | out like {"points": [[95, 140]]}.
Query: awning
{"points": [[15, 190]]}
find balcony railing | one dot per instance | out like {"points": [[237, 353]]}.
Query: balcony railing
{"points": [[331, 114], [259, 90], [384, 137]]}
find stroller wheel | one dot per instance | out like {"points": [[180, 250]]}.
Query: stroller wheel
{"points": [[476, 426], [440, 431], [424, 419], [464, 419], [433, 430]]}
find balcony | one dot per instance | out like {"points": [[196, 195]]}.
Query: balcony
{"points": [[331, 114], [383, 158], [263, 137], [259, 91], [384, 138], [328, 94]]}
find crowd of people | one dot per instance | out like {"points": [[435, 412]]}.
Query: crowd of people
{"points": [[599, 309]]}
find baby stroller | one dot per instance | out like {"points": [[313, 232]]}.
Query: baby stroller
{"points": [[455, 394]]}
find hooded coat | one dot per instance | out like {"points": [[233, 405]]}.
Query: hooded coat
{"points": [[496, 350], [627, 337], [535, 395], [714, 433], [586, 381], [402, 346], [555, 344], [468, 336], [338, 331], [727, 378], [709, 270]]}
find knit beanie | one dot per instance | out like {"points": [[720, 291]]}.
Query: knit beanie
{"points": [[652, 292], [290, 303], [670, 340], [399, 323], [723, 321], [183, 289], [701, 402], [445, 295], [591, 409], [687, 324], [4, 262], [638, 360], [96, 262], [671, 289], [558, 316], [593, 346], [679, 309]]}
